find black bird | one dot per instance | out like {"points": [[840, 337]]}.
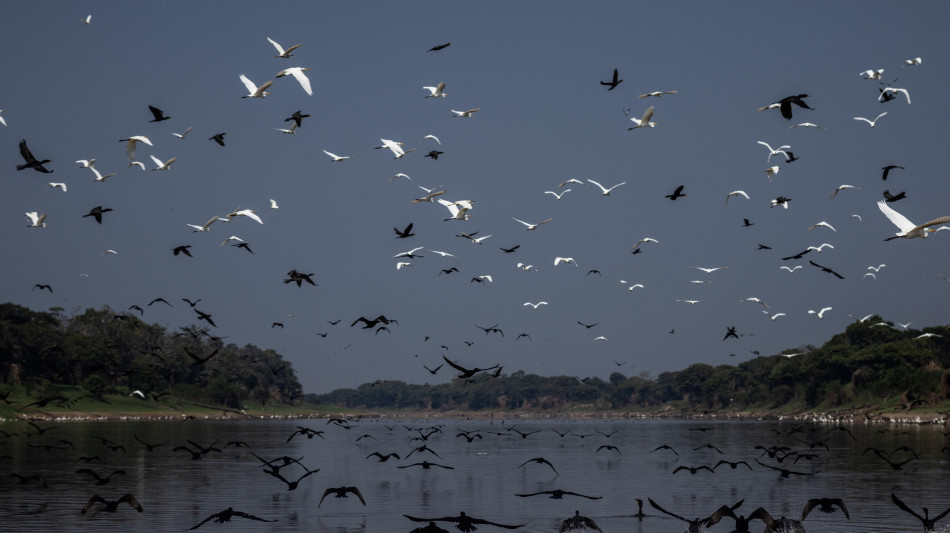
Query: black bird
{"points": [[32, 162], [310, 433], [930, 524], [292, 485], [218, 138], [383, 458], [558, 494], [782, 525], [226, 516], [112, 506], [42, 287], [825, 505], [23, 480], [886, 96], [200, 360], [783, 472], [160, 299], [434, 154], [435, 370], [746, 223], [796, 256], [763, 247], [341, 492], [463, 522], [96, 212], [469, 437], [137, 308], [404, 234], [742, 522], [826, 269], [665, 447], [790, 156], [888, 197], [438, 47], [594, 271], [731, 332], [158, 114], [99, 479], [182, 250], [734, 465], [149, 447], [676, 194], [372, 323], [277, 324], [299, 277], [466, 372], [695, 525], [448, 270], [588, 326], [614, 82], [244, 245], [191, 303], [609, 447], [707, 445], [785, 105], [206, 317], [541, 461], [693, 469], [577, 521], [297, 118], [512, 249], [887, 169], [427, 465]]}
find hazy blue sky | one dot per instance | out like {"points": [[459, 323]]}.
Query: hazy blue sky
{"points": [[533, 69]]}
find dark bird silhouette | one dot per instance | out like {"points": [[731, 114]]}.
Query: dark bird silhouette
{"points": [[608, 447], [782, 525], [226, 516], [784, 472], [434, 154], [742, 522], [825, 505], [244, 245], [799, 255], [826, 269], [588, 326], [676, 194], [539, 460], [733, 465], [292, 485], [32, 162], [404, 234], [888, 169], [199, 360], [695, 525], [341, 492], [182, 250], [594, 271], [930, 524], [189, 302], [137, 308], [277, 325], [383, 458], [99, 479], [96, 213], [707, 445], [665, 447], [427, 465], [158, 114], [467, 372], [888, 197], [218, 138], [310, 433], [577, 521], [614, 81], [463, 522], [368, 324], [23, 480], [814, 444], [149, 447], [886, 96], [693, 469], [112, 506], [298, 277], [448, 270], [435, 370], [785, 105], [731, 332], [746, 223], [438, 47], [469, 437], [423, 448], [512, 249], [206, 317], [297, 117], [43, 287], [558, 494]]}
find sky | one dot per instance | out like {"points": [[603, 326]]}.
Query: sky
{"points": [[533, 69]]}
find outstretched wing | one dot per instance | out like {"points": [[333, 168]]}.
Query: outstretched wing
{"points": [[662, 510]]}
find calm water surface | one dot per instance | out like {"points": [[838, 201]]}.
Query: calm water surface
{"points": [[178, 492]]}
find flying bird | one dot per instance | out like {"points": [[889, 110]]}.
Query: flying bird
{"points": [[605, 191], [908, 229], [644, 121], [158, 114], [843, 187], [678, 193], [297, 73], [463, 522], [132, 142], [871, 122], [31, 161], [785, 105], [96, 213], [656, 94], [226, 516], [281, 53], [253, 91], [614, 82], [465, 114], [894, 90], [436, 92], [341, 492], [736, 193], [182, 135], [438, 47], [336, 158], [929, 523], [218, 138], [775, 151], [823, 224], [159, 165], [826, 269], [888, 169], [112, 506], [36, 220], [530, 227], [820, 313]]}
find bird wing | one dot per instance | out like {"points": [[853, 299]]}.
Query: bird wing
{"points": [[250, 516], [455, 366], [597, 184], [280, 49], [904, 507], [251, 88], [356, 491], [896, 218], [662, 510], [301, 78], [647, 115]]}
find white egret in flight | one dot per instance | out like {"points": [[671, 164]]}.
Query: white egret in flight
{"points": [[908, 229]]}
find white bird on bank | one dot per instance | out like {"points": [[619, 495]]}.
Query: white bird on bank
{"points": [[894, 90], [535, 306], [532, 226], [775, 151], [823, 224], [131, 143], [643, 121], [100, 177], [907, 228], [843, 187], [737, 193], [604, 191], [820, 313], [556, 195], [871, 122], [559, 260], [436, 92], [36, 220], [55, 185], [253, 91], [183, 134], [280, 50], [337, 158], [160, 165], [297, 73]]}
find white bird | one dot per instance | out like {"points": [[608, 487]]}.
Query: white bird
{"points": [[605, 191], [253, 91], [400, 175], [820, 247], [183, 134], [280, 50], [161, 166], [401, 264], [872, 74], [289, 131], [905, 326], [410, 254], [894, 90], [806, 125], [444, 254], [775, 151], [138, 393], [524, 267], [131, 142], [698, 282], [821, 313], [535, 305], [843, 187], [88, 20], [690, 302], [632, 286], [572, 180], [297, 73], [433, 137], [926, 335], [913, 62], [465, 114], [273, 204], [907, 228], [737, 193], [36, 220], [791, 270], [559, 260], [556, 195], [337, 158], [431, 197], [206, 226], [643, 121], [708, 270], [861, 320], [249, 213], [139, 164], [478, 240], [232, 238], [656, 93], [601, 338], [54, 185], [771, 171], [110, 251], [100, 177], [86, 163], [459, 209], [485, 277], [866, 274], [823, 224], [773, 317], [2, 120], [645, 239], [782, 201], [394, 147], [871, 122], [755, 300], [857, 217], [532, 226], [436, 92], [790, 355], [877, 268]]}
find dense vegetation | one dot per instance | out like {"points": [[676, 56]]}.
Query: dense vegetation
{"points": [[868, 364], [105, 352]]}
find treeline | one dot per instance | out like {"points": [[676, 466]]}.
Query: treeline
{"points": [[105, 352], [869, 363]]}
